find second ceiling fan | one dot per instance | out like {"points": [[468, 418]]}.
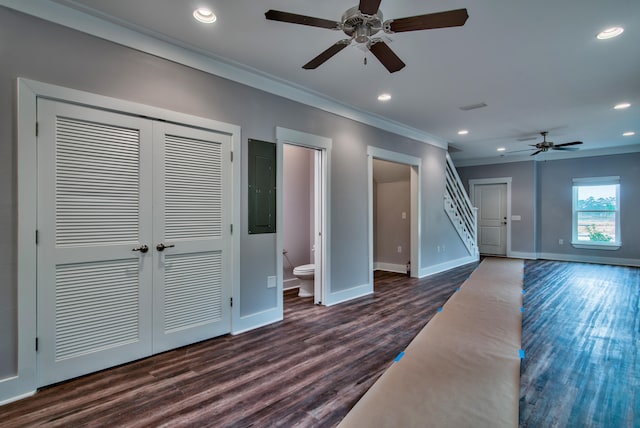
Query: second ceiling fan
{"points": [[361, 23]]}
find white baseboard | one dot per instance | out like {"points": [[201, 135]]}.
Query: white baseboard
{"points": [[590, 259], [432, 270], [390, 267], [348, 294], [251, 322], [290, 284], [12, 389], [523, 255]]}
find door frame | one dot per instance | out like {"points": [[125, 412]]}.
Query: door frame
{"points": [[322, 234], [24, 383], [414, 164], [500, 180]]}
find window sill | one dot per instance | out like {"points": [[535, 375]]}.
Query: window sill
{"points": [[601, 246]]}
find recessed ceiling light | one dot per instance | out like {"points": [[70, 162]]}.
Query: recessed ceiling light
{"points": [[501, 149], [205, 15], [610, 33], [629, 134], [463, 132], [622, 106], [384, 97]]}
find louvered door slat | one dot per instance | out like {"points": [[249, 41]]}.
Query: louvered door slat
{"points": [[193, 207], [193, 290], [97, 167]]}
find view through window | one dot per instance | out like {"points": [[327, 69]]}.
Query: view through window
{"points": [[596, 218]]}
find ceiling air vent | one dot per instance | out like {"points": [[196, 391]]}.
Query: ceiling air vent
{"points": [[473, 106]]}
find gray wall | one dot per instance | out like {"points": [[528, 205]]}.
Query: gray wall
{"points": [[522, 198], [543, 191], [555, 198], [38, 50], [391, 230]]}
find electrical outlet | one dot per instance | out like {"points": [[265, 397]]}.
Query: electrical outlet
{"points": [[438, 248], [404, 215], [560, 241], [271, 282], [399, 249]]}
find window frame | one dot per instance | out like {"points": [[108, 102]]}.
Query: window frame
{"points": [[595, 181]]}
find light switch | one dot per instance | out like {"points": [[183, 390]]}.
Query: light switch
{"points": [[404, 215]]}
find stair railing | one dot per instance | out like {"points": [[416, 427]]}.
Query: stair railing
{"points": [[459, 209]]}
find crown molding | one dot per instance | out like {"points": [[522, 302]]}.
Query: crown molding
{"points": [[172, 50]]}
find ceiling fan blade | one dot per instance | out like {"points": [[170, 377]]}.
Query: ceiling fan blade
{"points": [[387, 57], [568, 144], [369, 7], [324, 56], [569, 149], [535, 153], [276, 15], [451, 18], [518, 151]]}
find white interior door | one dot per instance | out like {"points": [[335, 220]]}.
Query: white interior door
{"points": [[318, 219], [192, 190], [491, 201], [134, 251], [94, 209]]}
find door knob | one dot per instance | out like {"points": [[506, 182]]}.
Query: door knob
{"points": [[142, 249], [504, 222], [161, 246]]}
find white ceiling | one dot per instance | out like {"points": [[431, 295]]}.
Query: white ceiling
{"points": [[536, 64]]}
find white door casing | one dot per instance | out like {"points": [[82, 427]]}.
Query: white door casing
{"points": [[110, 186]]}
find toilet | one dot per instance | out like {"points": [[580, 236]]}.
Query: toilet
{"points": [[305, 275]]}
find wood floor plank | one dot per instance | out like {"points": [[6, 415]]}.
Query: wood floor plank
{"points": [[308, 370], [581, 333]]}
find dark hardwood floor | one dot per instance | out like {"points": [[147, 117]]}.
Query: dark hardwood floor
{"points": [[306, 371], [580, 334]]}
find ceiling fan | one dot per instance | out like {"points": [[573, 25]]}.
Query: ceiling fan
{"points": [[361, 23], [547, 145]]}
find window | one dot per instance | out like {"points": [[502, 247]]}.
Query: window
{"points": [[596, 213]]}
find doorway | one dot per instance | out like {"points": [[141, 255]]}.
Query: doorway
{"points": [[300, 209], [391, 216], [492, 197], [303, 235], [397, 167]]}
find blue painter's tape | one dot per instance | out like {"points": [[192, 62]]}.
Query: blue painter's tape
{"points": [[440, 309], [522, 354], [458, 289], [524, 291], [522, 309], [399, 357]]}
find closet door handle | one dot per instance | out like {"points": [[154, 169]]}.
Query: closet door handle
{"points": [[142, 249], [161, 246]]}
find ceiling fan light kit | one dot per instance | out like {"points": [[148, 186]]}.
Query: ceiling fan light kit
{"points": [[361, 23], [545, 145]]}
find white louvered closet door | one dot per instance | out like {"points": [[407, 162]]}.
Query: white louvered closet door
{"points": [[94, 208], [192, 191]]}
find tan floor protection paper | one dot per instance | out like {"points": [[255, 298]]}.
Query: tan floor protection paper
{"points": [[463, 368]]}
